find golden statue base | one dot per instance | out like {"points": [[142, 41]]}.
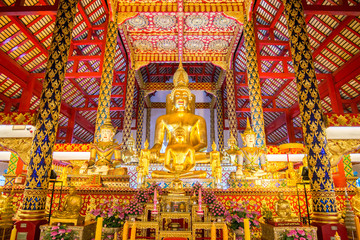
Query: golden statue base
{"points": [[76, 221], [105, 181]]}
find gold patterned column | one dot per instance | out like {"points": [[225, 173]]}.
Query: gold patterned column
{"points": [[38, 171], [220, 120], [103, 111], [312, 119], [231, 105], [140, 121], [257, 115], [212, 125], [129, 102], [148, 119]]}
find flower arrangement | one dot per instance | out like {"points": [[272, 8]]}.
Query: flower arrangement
{"points": [[134, 208], [209, 197], [152, 188], [296, 234], [112, 213], [59, 232], [237, 215], [142, 196], [217, 209]]}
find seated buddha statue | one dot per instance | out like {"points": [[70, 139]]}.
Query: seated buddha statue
{"points": [[233, 154], [129, 154], [143, 167], [215, 162], [101, 152], [71, 208], [179, 159], [252, 158], [283, 210], [190, 138], [292, 175]]}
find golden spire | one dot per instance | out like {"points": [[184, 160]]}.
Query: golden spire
{"points": [[181, 78], [248, 129], [108, 125]]}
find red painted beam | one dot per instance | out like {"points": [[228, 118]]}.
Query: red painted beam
{"points": [[28, 10], [332, 10], [332, 35]]}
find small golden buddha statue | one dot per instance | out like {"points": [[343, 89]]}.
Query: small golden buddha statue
{"points": [[129, 154], [233, 154], [215, 162], [71, 208], [283, 210], [144, 161], [252, 158], [90, 207], [179, 159], [101, 152], [355, 202], [180, 116], [292, 176]]}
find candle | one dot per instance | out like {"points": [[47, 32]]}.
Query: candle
{"points": [[133, 231], [155, 203], [13, 233], [213, 231], [125, 231], [200, 211], [98, 231], [225, 232], [247, 228], [357, 224]]}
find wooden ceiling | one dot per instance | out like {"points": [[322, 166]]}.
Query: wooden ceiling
{"points": [[26, 30]]}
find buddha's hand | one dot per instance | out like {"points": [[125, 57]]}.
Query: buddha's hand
{"points": [[154, 154]]}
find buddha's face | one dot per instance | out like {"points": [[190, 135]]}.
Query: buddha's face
{"points": [[72, 191], [181, 99], [281, 196], [179, 136], [250, 140], [106, 135]]}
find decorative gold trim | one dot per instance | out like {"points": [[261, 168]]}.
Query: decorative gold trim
{"points": [[123, 16], [139, 64], [237, 15]]}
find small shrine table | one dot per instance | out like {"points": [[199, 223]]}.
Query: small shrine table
{"points": [[86, 232], [270, 232]]}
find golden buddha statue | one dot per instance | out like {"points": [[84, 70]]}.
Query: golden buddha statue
{"points": [[129, 154], [90, 207], [101, 152], [179, 159], [143, 167], [215, 162], [252, 158], [283, 210], [186, 133], [292, 176], [233, 154], [355, 202], [71, 209]]}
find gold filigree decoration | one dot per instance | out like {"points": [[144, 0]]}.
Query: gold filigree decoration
{"points": [[223, 64], [139, 64], [123, 16], [20, 146], [238, 16], [340, 147]]}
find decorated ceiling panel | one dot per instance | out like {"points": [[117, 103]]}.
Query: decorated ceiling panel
{"points": [[195, 31]]}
